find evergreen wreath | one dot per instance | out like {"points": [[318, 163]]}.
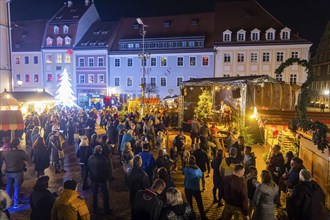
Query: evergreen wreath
{"points": [[319, 129]]}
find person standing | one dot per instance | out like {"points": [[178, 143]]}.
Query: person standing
{"points": [[148, 160], [147, 203], [217, 177], [99, 167], [266, 197], [239, 145], [179, 142], [15, 160], [276, 162], [195, 131], [83, 153], [57, 151], [192, 175], [40, 157], [41, 200], [292, 177], [234, 191], [202, 160], [137, 179], [69, 205], [249, 159]]}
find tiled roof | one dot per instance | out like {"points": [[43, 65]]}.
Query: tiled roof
{"points": [[100, 34], [247, 15], [27, 35], [199, 24], [65, 14]]}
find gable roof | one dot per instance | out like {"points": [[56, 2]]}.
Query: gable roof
{"points": [[27, 35]]}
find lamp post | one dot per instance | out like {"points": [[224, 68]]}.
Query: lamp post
{"points": [[143, 59]]}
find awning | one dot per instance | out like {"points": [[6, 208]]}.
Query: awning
{"points": [[11, 120], [30, 96]]}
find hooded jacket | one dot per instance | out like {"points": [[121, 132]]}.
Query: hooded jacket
{"points": [[182, 211], [70, 206], [192, 175], [264, 201]]}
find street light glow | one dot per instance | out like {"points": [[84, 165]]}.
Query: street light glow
{"points": [[139, 21], [327, 92]]}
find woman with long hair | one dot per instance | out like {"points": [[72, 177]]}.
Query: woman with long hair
{"points": [[265, 197], [40, 156], [83, 153]]}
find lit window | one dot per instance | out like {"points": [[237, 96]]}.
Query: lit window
{"points": [[49, 41], [90, 61], [280, 56], [129, 62], [117, 81], [18, 77], [26, 60], [163, 81], [129, 81], [100, 61], [180, 61], [67, 41], [153, 61], [163, 61], [56, 29], [18, 60], [65, 29], [27, 77], [192, 61], [59, 41], [130, 46], [81, 61], [67, 58], [49, 77], [295, 54], [58, 77], [205, 61], [265, 57], [48, 58], [293, 79], [153, 81], [254, 57], [240, 57], [179, 81], [226, 58], [90, 78], [117, 62], [58, 58], [100, 78], [81, 78]]}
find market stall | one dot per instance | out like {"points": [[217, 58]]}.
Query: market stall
{"points": [[11, 121]]}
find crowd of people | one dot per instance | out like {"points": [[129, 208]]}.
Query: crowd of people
{"points": [[149, 162]]}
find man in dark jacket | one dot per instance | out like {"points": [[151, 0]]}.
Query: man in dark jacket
{"points": [[202, 160], [148, 160], [98, 167], [137, 179], [234, 191], [147, 203], [306, 200], [217, 177], [179, 142], [239, 145]]}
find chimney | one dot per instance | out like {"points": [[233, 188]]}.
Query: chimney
{"points": [[70, 3], [87, 2]]}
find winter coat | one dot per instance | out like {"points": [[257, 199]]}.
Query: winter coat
{"points": [[41, 203], [264, 202], [126, 138], [137, 180], [146, 205], [83, 153], [178, 212], [305, 201], [98, 166], [249, 160], [240, 149], [127, 159], [148, 162], [40, 157], [192, 175], [201, 159], [216, 172], [69, 206]]}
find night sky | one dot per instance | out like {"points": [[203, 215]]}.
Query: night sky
{"points": [[306, 17]]}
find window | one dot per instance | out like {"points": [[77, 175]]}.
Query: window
{"points": [[178, 81], [58, 77], [240, 57], [205, 60], [280, 56], [153, 81], [58, 58], [67, 58], [130, 46], [265, 57], [294, 54], [153, 61], [226, 75], [49, 77], [90, 61], [27, 77], [18, 60], [90, 78], [26, 60], [163, 81], [255, 34], [59, 41], [137, 45], [129, 81], [67, 41], [49, 41], [129, 62], [254, 57], [226, 36], [36, 78], [117, 62], [192, 61], [180, 61], [241, 35], [285, 33], [81, 78], [278, 77], [143, 61], [48, 58], [293, 79], [18, 77], [100, 78], [143, 81], [81, 61], [35, 59], [163, 61], [58, 67], [226, 58], [117, 81], [65, 29], [270, 34], [100, 61], [56, 29]]}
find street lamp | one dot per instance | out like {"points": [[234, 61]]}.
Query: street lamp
{"points": [[143, 59]]}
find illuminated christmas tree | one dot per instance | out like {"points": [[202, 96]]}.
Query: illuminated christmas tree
{"points": [[203, 109], [64, 95]]}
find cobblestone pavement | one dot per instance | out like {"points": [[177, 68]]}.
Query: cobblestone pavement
{"points": [[119, 195]]}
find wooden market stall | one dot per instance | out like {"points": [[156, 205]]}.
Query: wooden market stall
{"points": [[11, 120]]}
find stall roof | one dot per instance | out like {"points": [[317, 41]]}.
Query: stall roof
{"points": [[229, 80], [30, 96]]}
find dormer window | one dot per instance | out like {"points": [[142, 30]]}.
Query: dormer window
{"points": [[241, 35], [65, 29], [167, 24], [255, 34], [270, 34], [226, 36], [56, 30], [285, 33], [49, 41], [194, 22], [67, 41], [59, 41]]}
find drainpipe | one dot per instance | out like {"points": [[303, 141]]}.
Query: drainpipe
{"points": [[11, 84]]}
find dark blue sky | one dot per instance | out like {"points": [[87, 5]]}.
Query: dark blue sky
{"points": [[307, 17]]}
